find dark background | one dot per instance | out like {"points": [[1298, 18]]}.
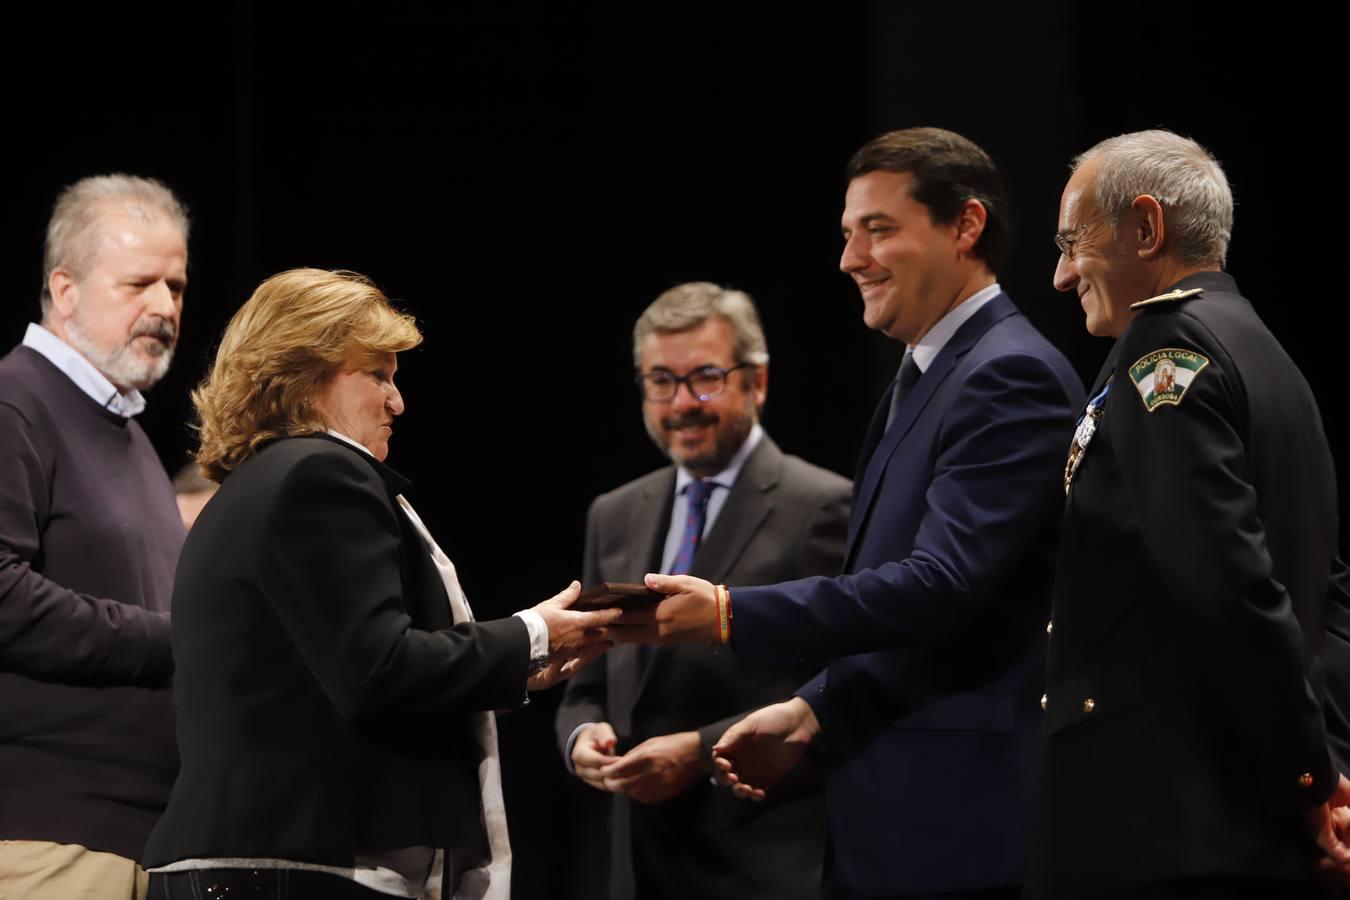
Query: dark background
{"points": [[526, 181]]}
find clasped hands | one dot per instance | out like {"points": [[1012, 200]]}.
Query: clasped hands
{"points": [[750, 755], [748, 758], [655, 770]]}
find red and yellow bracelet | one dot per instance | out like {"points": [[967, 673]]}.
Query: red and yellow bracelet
{"points": [[723, 612]]}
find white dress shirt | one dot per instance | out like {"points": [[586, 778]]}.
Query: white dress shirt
{"points": [[82, 372]]}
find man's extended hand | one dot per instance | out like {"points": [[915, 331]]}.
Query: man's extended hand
{"points": [[592, 751], [574, 638], [658, 768], [764, 746], [687, 615]]}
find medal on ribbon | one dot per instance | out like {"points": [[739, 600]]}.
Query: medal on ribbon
{"points": [[1082, 435]]}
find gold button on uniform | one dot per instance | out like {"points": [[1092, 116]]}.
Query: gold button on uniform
{"points": [[1044, 701], [1089, 705], [1305, 780], [1050, 627]]}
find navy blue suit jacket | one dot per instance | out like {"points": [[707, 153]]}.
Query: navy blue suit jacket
{"points": [[930, 706]]}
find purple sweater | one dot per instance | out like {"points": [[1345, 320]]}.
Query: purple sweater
{"points": [[89, 536]]}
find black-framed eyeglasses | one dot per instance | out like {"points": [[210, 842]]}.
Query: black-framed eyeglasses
{"points": [[1067, 240], [661, 386]]}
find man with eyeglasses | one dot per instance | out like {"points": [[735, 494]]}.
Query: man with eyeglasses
{"points": [[927, 717], [1187, 685], [734, 508]]}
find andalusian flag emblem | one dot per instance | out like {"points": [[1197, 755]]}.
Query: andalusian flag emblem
{"points": [[1163, 376]]}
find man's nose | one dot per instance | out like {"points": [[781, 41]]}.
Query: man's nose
{"points": [[685, 397], [1066, 276], [853, 258], [161, 301]]}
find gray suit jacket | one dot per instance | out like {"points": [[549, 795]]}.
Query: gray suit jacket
{"points": [[783, 519]]}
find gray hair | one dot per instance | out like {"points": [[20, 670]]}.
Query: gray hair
{"points": [[1181, 175], [689, 305], [72, 235]]}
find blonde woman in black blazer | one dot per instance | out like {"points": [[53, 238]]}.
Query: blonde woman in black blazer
{"points": [[333, 692]]}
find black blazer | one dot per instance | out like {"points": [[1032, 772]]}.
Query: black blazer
{"points": [[323, 695], [1186, 684], [783, 519]]}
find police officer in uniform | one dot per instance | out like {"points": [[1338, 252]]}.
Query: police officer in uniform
{"points": [[1186, 750]]}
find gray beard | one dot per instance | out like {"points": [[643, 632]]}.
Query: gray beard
{"points": [[723, 450], [124, 367]]}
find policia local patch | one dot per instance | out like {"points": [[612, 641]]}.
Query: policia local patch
{"points": [[1163, 376]]}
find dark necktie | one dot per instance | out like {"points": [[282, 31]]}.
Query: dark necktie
{"points": [[697, 493], [696, 515], [904, 381]]}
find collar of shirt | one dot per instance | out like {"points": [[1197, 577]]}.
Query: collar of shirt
{"points": [[727, 477], [342, 437], [82, 372], [931, 344]]}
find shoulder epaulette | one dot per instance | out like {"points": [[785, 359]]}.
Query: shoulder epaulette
{"points": [[1169, 297]]}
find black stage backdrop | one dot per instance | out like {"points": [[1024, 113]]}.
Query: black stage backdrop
{"points": [[525, 182]]}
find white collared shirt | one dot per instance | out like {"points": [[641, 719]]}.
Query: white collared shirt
{"points": [[81, 371], [716, 500], [931, 344]]}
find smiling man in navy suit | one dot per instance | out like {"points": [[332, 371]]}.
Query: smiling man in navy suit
{"points": [[927, 718]]}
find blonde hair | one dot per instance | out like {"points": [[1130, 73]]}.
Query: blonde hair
{"points": [[278, 351]]}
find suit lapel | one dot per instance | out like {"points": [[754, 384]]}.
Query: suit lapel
{"points": [[873, 437], [427, 601], [394, 482], [911, 407], [647, 526], [747, 505]]}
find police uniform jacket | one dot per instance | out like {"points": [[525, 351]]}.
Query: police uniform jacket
{"points": [[1184, 724]]}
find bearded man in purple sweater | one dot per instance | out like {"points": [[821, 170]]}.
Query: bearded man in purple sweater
{"points": [[89, 536]]}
